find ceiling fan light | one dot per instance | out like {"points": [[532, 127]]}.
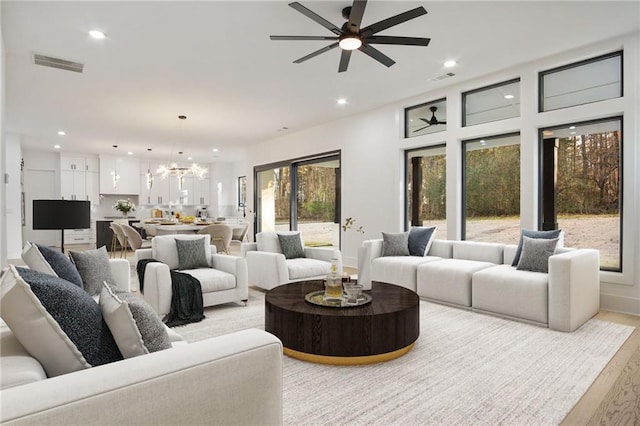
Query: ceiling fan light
{"points": [[350, 42]]}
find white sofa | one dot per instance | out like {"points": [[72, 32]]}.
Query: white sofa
{"points": [[231, 379], [225, 281], [268, 267], [479, 276]]}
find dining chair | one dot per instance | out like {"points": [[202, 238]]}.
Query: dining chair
{"points": [[134, 239], [239, 233], [119, 237], [220, 236]]}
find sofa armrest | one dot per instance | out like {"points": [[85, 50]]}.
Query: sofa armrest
{"points": [[267, 270], [157, 287], [231, 379], [370, 250], [146, 253], [574, 288], [121, 273], [247, 247], [326, 254], [234, 265]]}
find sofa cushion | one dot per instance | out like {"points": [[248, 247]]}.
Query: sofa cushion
{"points": [[212, 279], [191, 253], [291, 246], [535, 254], [56, 321], [135, 326], [395, 244], [555, 233], [398, 270], [482, 252], [448, 280], [94, 268], [506, 291], [420, 239], [306, 268], [17, 366], [164, 249], [53, 262]]}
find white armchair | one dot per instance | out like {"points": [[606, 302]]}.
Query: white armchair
{"points": [[268, 267], [224, 281]]}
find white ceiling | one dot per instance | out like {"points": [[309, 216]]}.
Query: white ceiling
{"points": [[213, 61]]}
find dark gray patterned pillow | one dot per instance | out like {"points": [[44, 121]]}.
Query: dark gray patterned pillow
{"points": [[191, 254], [554, 233], [60, 264], [291, 246], [94, 268], [395, 244], [536, 253]]}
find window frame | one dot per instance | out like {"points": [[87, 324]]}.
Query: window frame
{"points": [[422, 105], [408, 152], [482, 89]]}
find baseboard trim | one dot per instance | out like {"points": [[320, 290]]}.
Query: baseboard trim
{"points": [[622, 304]]}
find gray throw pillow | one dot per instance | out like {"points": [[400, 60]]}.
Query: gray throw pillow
{"points": [[135, 326], [420, 239], [58, 262], [94, 268], [395, 244], [536, 253], [191, 254], [291, 246], [554, 233], [57, 322]]}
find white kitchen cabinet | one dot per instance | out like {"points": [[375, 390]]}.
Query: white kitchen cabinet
{"points": [[181, 196], [128, 171], [159, 192], [78, 177], [80, 236], [92, 186], [73, 185], [201, 192]]}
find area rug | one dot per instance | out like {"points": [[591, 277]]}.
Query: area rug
{"points": [[466, 368]]}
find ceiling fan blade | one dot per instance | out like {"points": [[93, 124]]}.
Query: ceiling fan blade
{"points": [[394, 20], [421, 128], [442, 122], [315, 17], [426, 121], [355, 17], [316, 53], [273, 37], [376, 54], [408, 41], [344, 60]]}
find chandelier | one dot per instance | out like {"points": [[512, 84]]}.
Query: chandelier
{"points": [[173, 169]]}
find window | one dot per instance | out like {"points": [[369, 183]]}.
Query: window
{"points": [[581, 187], [491, 103], [426, 196], [426, 118], [303, 195], [491, 192], [581, 83]]}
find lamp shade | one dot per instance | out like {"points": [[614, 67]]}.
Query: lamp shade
{"points": [[61, 214]]}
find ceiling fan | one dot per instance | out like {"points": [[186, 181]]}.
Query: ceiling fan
{"points": [[351, 37], [433, 121]]}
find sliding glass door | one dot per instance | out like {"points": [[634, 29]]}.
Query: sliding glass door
{"points": [[273, 191]]}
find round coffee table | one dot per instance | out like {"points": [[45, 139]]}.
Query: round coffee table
{"points": [[384, 329]]}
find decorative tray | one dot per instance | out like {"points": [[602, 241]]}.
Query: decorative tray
{"points": [[317, 298]]}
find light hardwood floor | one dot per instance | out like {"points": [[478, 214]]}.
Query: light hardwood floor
{"points": [[612, 399]]}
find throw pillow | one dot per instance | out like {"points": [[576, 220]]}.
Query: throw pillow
{"points": [[57, 322], [395, 244], [291, 246], [191, 254], [420, 239], [49, 261], [94, 268], [536, 253], [135, 326], [555, 233]]}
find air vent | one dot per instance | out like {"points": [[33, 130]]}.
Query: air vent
{"points": [[443, 76], [63, 64]]}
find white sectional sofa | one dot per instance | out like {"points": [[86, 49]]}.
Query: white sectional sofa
{"points": [[479, 276]]}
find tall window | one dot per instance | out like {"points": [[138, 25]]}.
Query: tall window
{"points": [[303, 195], [582, 187], [426, 196], [491, 193]]}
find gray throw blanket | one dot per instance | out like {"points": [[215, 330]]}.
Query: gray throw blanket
{"points": [[186, 296]]}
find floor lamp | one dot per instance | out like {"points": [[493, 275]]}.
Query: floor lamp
{"points": [[61, 214]]}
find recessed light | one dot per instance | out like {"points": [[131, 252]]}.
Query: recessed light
{"points": [[450, 64], [342, 101], [483, 142], [98, 35], [572, 127], [508, 96], [189, 158], [56, 146], [61, 133], [573, 133], [129, 153], [215, 149]]}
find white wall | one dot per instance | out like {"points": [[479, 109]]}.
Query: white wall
{"points": [[13, 190], [372, 147], [3, 197]]}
